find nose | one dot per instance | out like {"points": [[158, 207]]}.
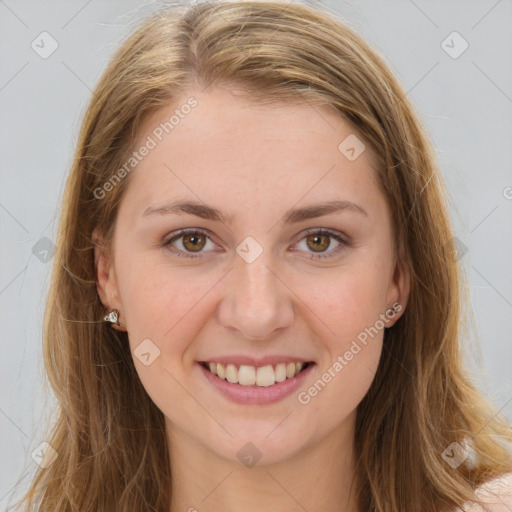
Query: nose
{"points": [[256, 302]]}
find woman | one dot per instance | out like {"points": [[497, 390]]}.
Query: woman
{"points": [[255, 300]]}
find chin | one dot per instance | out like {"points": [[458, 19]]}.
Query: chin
{"points": [[262, 445]]}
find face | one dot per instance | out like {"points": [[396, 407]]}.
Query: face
{"points": [[266, 279]]}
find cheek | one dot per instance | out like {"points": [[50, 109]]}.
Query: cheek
{"points": [[164, 304], [348, 310], [346, 301], [341, 385]]}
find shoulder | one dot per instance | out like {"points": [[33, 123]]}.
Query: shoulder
{"points": [[496, 494]]}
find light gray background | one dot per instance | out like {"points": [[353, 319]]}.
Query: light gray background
{"points": [[466, 104]]}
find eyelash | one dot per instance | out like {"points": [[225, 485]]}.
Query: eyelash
{"points": [[320, 256]]}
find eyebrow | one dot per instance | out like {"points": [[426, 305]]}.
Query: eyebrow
{"points": [[292, 216]]}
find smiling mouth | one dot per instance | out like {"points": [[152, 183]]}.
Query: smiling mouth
{"points": [[261, 376]]}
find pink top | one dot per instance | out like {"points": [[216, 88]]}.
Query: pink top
{"points": [[497, 495]]}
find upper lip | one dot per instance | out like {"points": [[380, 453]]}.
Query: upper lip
{"points": [[238, 360]]}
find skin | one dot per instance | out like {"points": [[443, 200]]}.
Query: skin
{"points": [[254, 162]]}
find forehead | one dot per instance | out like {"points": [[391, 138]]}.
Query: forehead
{"points": [[226, 147]]}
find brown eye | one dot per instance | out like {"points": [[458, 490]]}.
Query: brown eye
{"points": [[318, 242], [194, 241], [189, 243]]}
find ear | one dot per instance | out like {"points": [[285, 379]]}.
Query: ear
{"points": [[399, 287], [106, 283]]}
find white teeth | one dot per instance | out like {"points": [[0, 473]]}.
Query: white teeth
{"points": [[263, 376], [247, 375], [280, 372], [231, 373]]}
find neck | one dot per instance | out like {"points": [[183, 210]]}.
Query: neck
{"points": [[320, 477]]}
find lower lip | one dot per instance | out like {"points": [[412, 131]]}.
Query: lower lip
{"points": [[257, 395]]}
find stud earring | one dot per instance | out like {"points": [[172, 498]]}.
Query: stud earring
{"points": [[113, 318], [392, 310]]}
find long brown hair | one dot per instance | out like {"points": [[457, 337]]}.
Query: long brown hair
{"points": [[108, 434]]}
